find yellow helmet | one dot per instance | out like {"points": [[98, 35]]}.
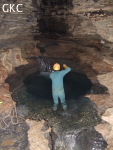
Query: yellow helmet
{"points": [[56, 66]]}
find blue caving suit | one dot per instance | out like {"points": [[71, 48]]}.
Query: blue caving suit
{"points": [[58, 88]]}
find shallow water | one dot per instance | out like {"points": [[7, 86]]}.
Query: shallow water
{"points": [[74, 127], [83, 114]]}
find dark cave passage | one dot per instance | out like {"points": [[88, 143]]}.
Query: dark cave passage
{"points": [[75, 85], [53, 24]]}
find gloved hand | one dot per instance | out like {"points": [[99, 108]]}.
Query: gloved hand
{"points": [[65, 66]]}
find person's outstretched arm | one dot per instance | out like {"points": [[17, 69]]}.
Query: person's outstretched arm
{"points": [[67, 69]]}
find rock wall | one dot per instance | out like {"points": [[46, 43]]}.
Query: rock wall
{"points": [[12, 58], [106, 129], [99, 14], [91, 5], [107, 80], [37, 134], [87, 17], [15, 25]]}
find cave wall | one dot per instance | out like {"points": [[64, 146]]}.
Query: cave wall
{"points": [[15, 25], [16, 31], [91, 5], [70, 17], [79, 18], [15, 28], [99, 13]]}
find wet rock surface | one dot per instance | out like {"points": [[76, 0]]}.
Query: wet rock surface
{"points": [[81, 139], [81, 117], [79, 120], [13, 134]]}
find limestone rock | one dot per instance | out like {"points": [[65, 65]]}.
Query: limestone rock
{"points": [[29, 49], [5, 97], [102, 66], [3, 73], [92, 5], [83, 26], [102, 101], [36, 135], [107, 80], [12, 58], [14, 24], [105, 28], [106, 129], [108, 116], [93, 17]]}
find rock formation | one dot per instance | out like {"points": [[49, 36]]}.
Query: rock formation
{"points": [[79, 31]]}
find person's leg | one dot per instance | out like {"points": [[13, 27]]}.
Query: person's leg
{"points": [[62, 99], [63, 102], [55, 99]]}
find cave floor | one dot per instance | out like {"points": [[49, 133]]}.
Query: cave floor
{"points": [[82, 112]]}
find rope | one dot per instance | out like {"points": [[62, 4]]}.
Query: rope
{"points": [[11, 116]]}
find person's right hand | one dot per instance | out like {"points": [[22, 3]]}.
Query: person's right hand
{"points": [[65, 66]]}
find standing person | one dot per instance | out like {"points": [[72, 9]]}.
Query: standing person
{"points": [[57, 85]]}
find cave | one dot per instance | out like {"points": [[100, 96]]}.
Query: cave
{"points": [[36, 34]]}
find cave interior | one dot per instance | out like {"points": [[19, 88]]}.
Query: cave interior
{"points": [[76, 33]]}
